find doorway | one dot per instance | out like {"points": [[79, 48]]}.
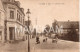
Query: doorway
{"points": [[11, 33]]}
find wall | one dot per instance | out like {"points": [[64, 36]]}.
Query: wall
{"points": [[2, 18]]}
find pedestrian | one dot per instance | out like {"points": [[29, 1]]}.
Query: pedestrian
{"points": [[55, 38], [37, 40]]}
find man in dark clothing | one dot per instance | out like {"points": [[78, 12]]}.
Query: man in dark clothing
{"points": [[37, 40]]}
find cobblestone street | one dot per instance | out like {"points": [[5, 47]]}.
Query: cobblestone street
{"points": [[62, 45]]}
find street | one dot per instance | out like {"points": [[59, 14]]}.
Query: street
{"points": [[61, 45], [47, 20]]}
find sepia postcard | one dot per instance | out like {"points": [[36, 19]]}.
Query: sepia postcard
{"points": [[39, 25]]}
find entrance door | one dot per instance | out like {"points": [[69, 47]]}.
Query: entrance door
{"points": [[11, 33]]}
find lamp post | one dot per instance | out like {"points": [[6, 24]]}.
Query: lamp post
{"points": [[28, 12]]}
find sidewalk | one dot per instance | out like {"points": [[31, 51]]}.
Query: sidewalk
{"points": [[2, 44]]}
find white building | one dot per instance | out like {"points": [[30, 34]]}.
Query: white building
{"points": [[14, 20], [2, 18]]}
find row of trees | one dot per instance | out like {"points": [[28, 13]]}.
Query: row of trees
{"points": [[50, 30]]}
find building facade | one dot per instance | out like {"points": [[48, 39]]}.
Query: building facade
{"points": [[30, 29], [14, 20], [64, 27], [67, 26], [2, 18]]}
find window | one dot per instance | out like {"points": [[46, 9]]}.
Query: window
{"points": [[20, 18], [23, 21], [17, 16], [12, 14]]}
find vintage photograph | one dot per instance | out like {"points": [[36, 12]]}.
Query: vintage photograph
{"points": [[39, 25]]}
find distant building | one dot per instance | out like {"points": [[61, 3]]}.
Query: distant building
{"points": [[2, 19], [14, 20], [30, 29], [67, 26]]}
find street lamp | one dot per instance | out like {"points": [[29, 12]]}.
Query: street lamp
{"points": [[28, 12]]}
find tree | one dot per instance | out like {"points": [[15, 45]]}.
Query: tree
{"points": [[54, 24], [47, 29]]}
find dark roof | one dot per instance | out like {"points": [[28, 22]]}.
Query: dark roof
{"points": [[68, 24], [16, 3]]}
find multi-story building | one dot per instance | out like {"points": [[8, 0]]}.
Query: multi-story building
{"points": [[2, 18], [14, 20]]}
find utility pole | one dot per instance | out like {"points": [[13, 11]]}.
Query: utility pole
{"points": [[28, 12], [36, 27]]}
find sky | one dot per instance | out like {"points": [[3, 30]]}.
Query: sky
{"points": [[45, 11]]}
